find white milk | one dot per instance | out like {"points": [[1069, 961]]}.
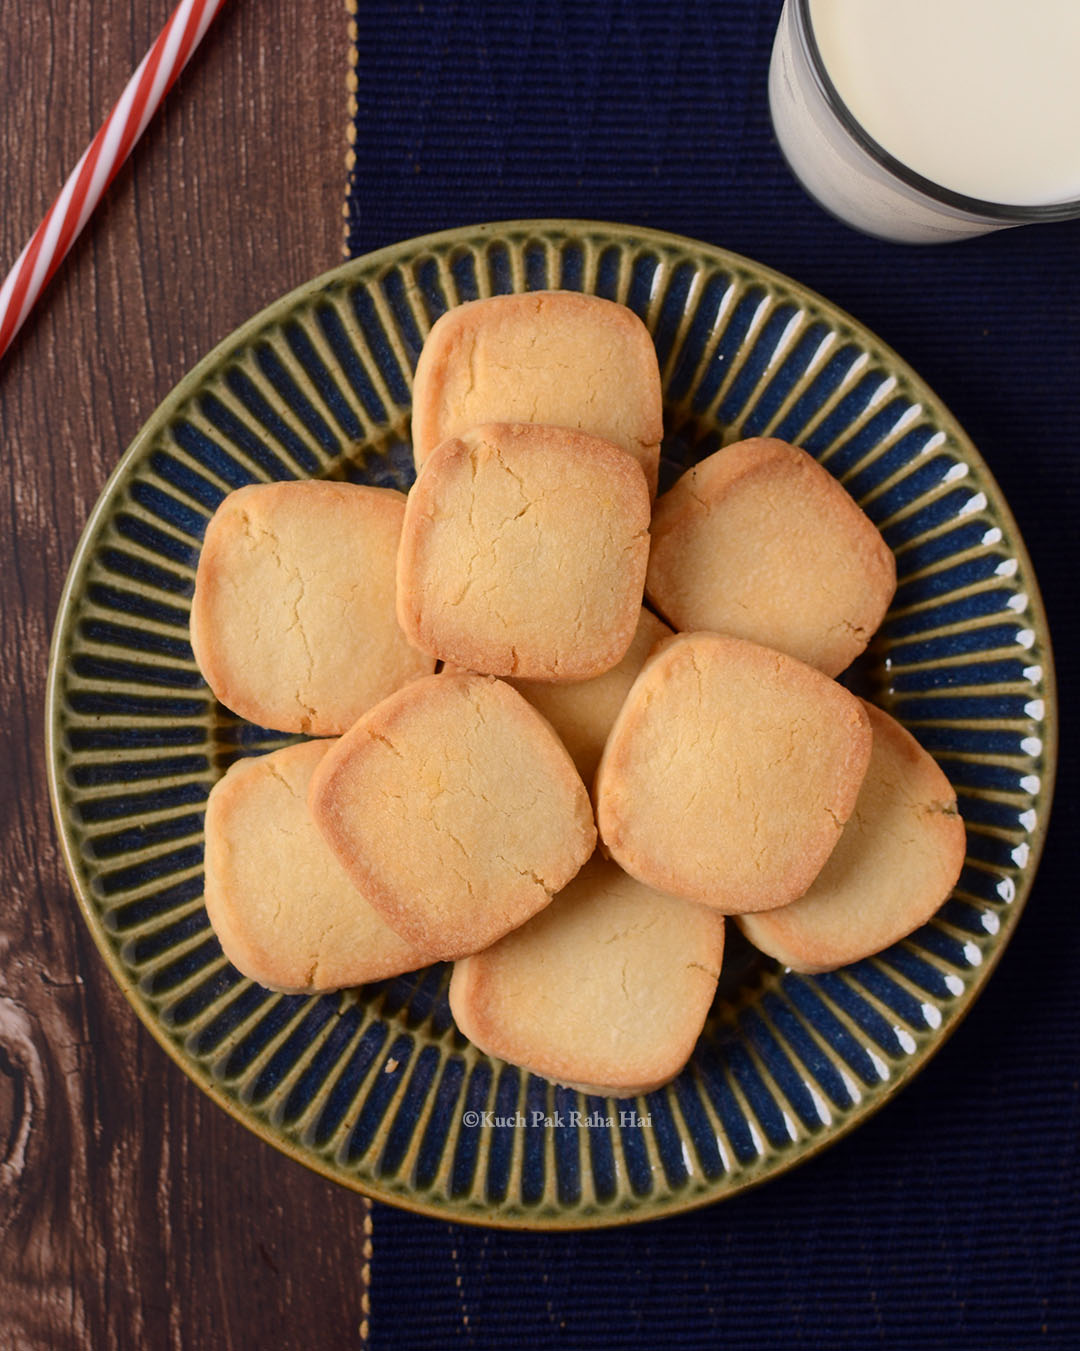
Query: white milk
{"points": [[981, 97]]}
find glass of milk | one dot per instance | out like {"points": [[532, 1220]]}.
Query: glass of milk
{"points": [[928, 120]]}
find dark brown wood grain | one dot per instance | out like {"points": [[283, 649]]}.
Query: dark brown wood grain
{"points": [[133, 1212]]}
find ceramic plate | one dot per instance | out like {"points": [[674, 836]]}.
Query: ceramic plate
{"points": [[375, 1087]]}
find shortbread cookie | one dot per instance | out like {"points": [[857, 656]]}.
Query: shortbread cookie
{"points": [[523, 553], [293, 621], [758, 540], [897, 860], [456, 810], [606, 990], [730, 772], [283, 907], [584, 711], [554, 357]]}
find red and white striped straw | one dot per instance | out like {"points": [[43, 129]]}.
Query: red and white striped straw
{"points": [[101, 162]]}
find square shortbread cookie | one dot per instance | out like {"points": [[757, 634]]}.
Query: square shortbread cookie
{"points": [[897, 860], [523, 553], [758, 540], [456, 811], [282, 906], [730, 772], [606, 990], [293, 621], [583, 712], [555, 357]]}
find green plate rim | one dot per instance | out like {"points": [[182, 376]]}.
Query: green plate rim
{"points": [[370, 263]]}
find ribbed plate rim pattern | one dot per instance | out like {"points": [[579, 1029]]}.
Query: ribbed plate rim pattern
{"points": [[731, 1106]]}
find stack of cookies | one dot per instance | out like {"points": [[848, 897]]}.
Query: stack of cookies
{"points": [[702, 743]]}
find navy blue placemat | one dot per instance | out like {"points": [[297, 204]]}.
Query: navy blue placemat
{"points": [[953, 1217]]}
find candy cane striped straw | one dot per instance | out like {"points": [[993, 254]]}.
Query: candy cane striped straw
{"points": [[101, 162]]}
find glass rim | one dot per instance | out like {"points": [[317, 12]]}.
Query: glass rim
{"points": [[975, 206]]}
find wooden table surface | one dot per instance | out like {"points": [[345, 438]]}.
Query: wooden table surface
{"points": [[133, 1212]]}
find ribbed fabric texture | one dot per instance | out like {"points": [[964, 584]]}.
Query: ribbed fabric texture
{"points": [[952, 1218]]}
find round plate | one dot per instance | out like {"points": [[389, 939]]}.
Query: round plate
{"points": [[375, 1087]]}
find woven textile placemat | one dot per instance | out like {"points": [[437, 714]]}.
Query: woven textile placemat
{"points": [[953, 1217]]}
